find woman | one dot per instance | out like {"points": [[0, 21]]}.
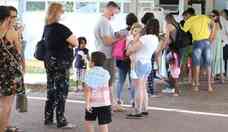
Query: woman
{"points": [[10, 68], [217, 48], [124, 65], [173, 55], [224, 22], [59, 57], [142, 50]]}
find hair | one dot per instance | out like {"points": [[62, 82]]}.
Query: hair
{"points": [[226, 13], [53, 10], [12, 8], [112, 4], [169, 18], [130, 20], [4, 13], [80, 41], [152, 27], [216, 12], [190, 11], [98, 58], [136, 25], [146, 17]]}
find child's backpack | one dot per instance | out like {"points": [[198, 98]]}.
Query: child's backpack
{"points": [[118, 51]]}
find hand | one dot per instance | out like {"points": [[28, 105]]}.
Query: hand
{"points": [[88, 108]]}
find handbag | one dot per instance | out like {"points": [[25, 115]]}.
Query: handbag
{"points": [[40, 50], [22, 103]]}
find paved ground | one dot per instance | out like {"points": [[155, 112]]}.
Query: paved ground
{"points": [[191, 112]]}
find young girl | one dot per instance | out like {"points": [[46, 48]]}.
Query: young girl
{"points": [[82, 57]]}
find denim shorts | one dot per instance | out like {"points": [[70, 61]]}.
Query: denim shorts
{"points": [[141, 70], [202, 53]]}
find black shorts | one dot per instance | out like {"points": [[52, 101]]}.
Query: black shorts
{"points": [[103, 114]]}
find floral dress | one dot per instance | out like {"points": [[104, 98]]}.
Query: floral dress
{"points": [[11, 75]]}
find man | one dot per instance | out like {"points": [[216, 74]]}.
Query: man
{"points": [[105, 38], [198, 26]]}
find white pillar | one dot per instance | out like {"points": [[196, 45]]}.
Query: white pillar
{"points": [[209, 6]]}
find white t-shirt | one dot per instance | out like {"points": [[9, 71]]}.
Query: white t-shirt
{"points": [[149, 46]]}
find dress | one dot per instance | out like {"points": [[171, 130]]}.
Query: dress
{"points": [[11, 76], [217, 50]]}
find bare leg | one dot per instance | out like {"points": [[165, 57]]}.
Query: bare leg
{"points": [[145, 95], [210, 89], [196, 77], [89, 126], [7, 102], [103, 128]]}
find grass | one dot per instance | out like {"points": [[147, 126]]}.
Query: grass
{"points": [[37, 67]]}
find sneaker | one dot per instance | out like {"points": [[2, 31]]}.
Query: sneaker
{"points": [[66, 126], [145, 113], [135, 116]]}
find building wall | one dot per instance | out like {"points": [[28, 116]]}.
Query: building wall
{"points": [[221, 4]]}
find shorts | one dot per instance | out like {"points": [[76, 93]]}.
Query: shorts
{"points": [[103, 114], [141, 70], [202, 53], [109, 66]]}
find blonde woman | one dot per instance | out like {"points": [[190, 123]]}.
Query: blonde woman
{"points": [[59, 57], [141, 51]]}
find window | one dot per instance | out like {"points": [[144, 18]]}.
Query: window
{"points": [[68, 5], [35, 6], [126, 7], [86, 7], [103, 4]]}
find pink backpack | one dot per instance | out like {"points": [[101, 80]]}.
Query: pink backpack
{"points": [[118, 49]]}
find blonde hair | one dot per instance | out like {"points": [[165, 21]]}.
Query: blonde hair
{"points": [[52, 14], [136, 26]]}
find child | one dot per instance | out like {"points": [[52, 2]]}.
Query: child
{"points": [[82, 57], [97, 94]]}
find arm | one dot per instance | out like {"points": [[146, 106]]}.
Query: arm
{"points": [[132, 49], [72, 40], [108, 40], [87, 94], [214, 30]]}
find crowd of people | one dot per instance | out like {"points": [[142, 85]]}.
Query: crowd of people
{"points": [[139, 53]]}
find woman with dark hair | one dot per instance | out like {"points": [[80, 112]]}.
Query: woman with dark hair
{"points": [[124, 65], [59, 58], [217, 48], [224, 22], [173, 54], [147, 16], [141, 50], [10, 69]]}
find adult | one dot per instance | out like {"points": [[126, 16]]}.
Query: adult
{"points": [[124, 65], [11, 69], [198, 26], [59, 57], [224, 22], [217, 48], [141, 51], [105, 38], [18, 28]]}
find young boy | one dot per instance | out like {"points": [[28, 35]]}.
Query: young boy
{"points": [[97, 94]]}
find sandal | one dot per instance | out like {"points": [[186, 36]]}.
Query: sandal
{"points": [[13, 129]]}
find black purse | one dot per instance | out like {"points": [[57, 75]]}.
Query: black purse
{"points": [[40, 51]]}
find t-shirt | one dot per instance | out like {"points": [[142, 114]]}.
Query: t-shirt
{"points": [[149, 46], [81, 56], [97, 79], [57, 46], [103, 28], [198, 26]]}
